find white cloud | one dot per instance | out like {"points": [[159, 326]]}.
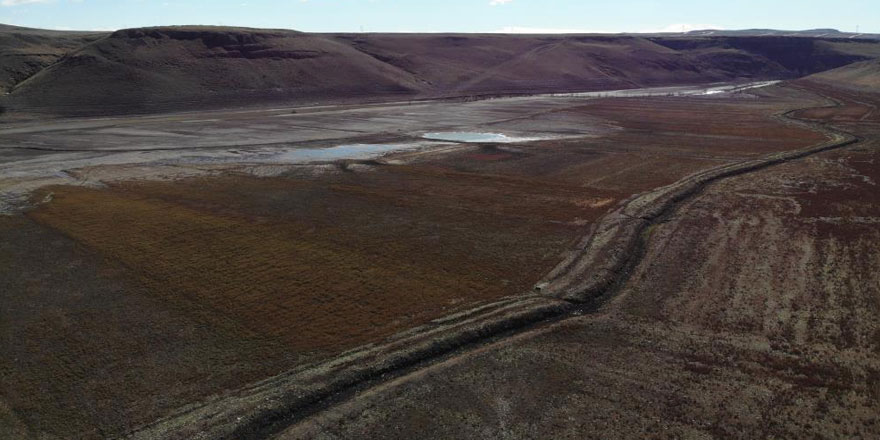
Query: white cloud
{"points": [[543, 30], [499, 2], [21, 2], [683, 27], [535, 30]]}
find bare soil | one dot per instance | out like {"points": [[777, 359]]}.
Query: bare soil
{"points": [[260, 275], [752, 314]]}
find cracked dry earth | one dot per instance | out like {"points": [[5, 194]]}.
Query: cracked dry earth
{"points": [[752, 315]]}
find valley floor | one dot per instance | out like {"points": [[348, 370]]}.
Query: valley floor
{"points": [[134, 291], [751, 315]]}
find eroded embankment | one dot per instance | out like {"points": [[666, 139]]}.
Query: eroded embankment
{"points": [[598, 261], [581, 283], [267, 407]]}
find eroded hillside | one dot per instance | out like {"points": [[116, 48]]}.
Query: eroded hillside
{"points": [[179, 68]]}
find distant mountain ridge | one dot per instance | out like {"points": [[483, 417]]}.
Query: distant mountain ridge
{"points": [[190, 67], [813, 33]]}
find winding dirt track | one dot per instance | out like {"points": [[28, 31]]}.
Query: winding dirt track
{"points": [[584, 281]]}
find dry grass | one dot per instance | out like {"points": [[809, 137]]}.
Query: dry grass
{"points": [[320, 266], [857, 106], [752, 315], [87, 352], [263, 274], [736, 126]]}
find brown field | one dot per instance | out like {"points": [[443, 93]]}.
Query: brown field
{"points": [[751, 315], [235, 278], [325, 265], [89, 352], [859, 106], [170, 273]]}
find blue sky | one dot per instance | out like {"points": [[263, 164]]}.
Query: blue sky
{"points": [[449, 15]]}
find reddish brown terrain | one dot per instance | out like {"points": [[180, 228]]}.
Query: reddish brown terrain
{"points": [[316, 264], [680, 263], [751, 314]]}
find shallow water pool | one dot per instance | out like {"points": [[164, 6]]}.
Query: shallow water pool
{"points": [[472, 136], [347, 151]]}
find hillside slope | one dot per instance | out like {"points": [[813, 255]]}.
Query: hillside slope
{"points": [[480, 64], [141, 69], [863, 75], [181, 68], [798, 55], [24, 51]]}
